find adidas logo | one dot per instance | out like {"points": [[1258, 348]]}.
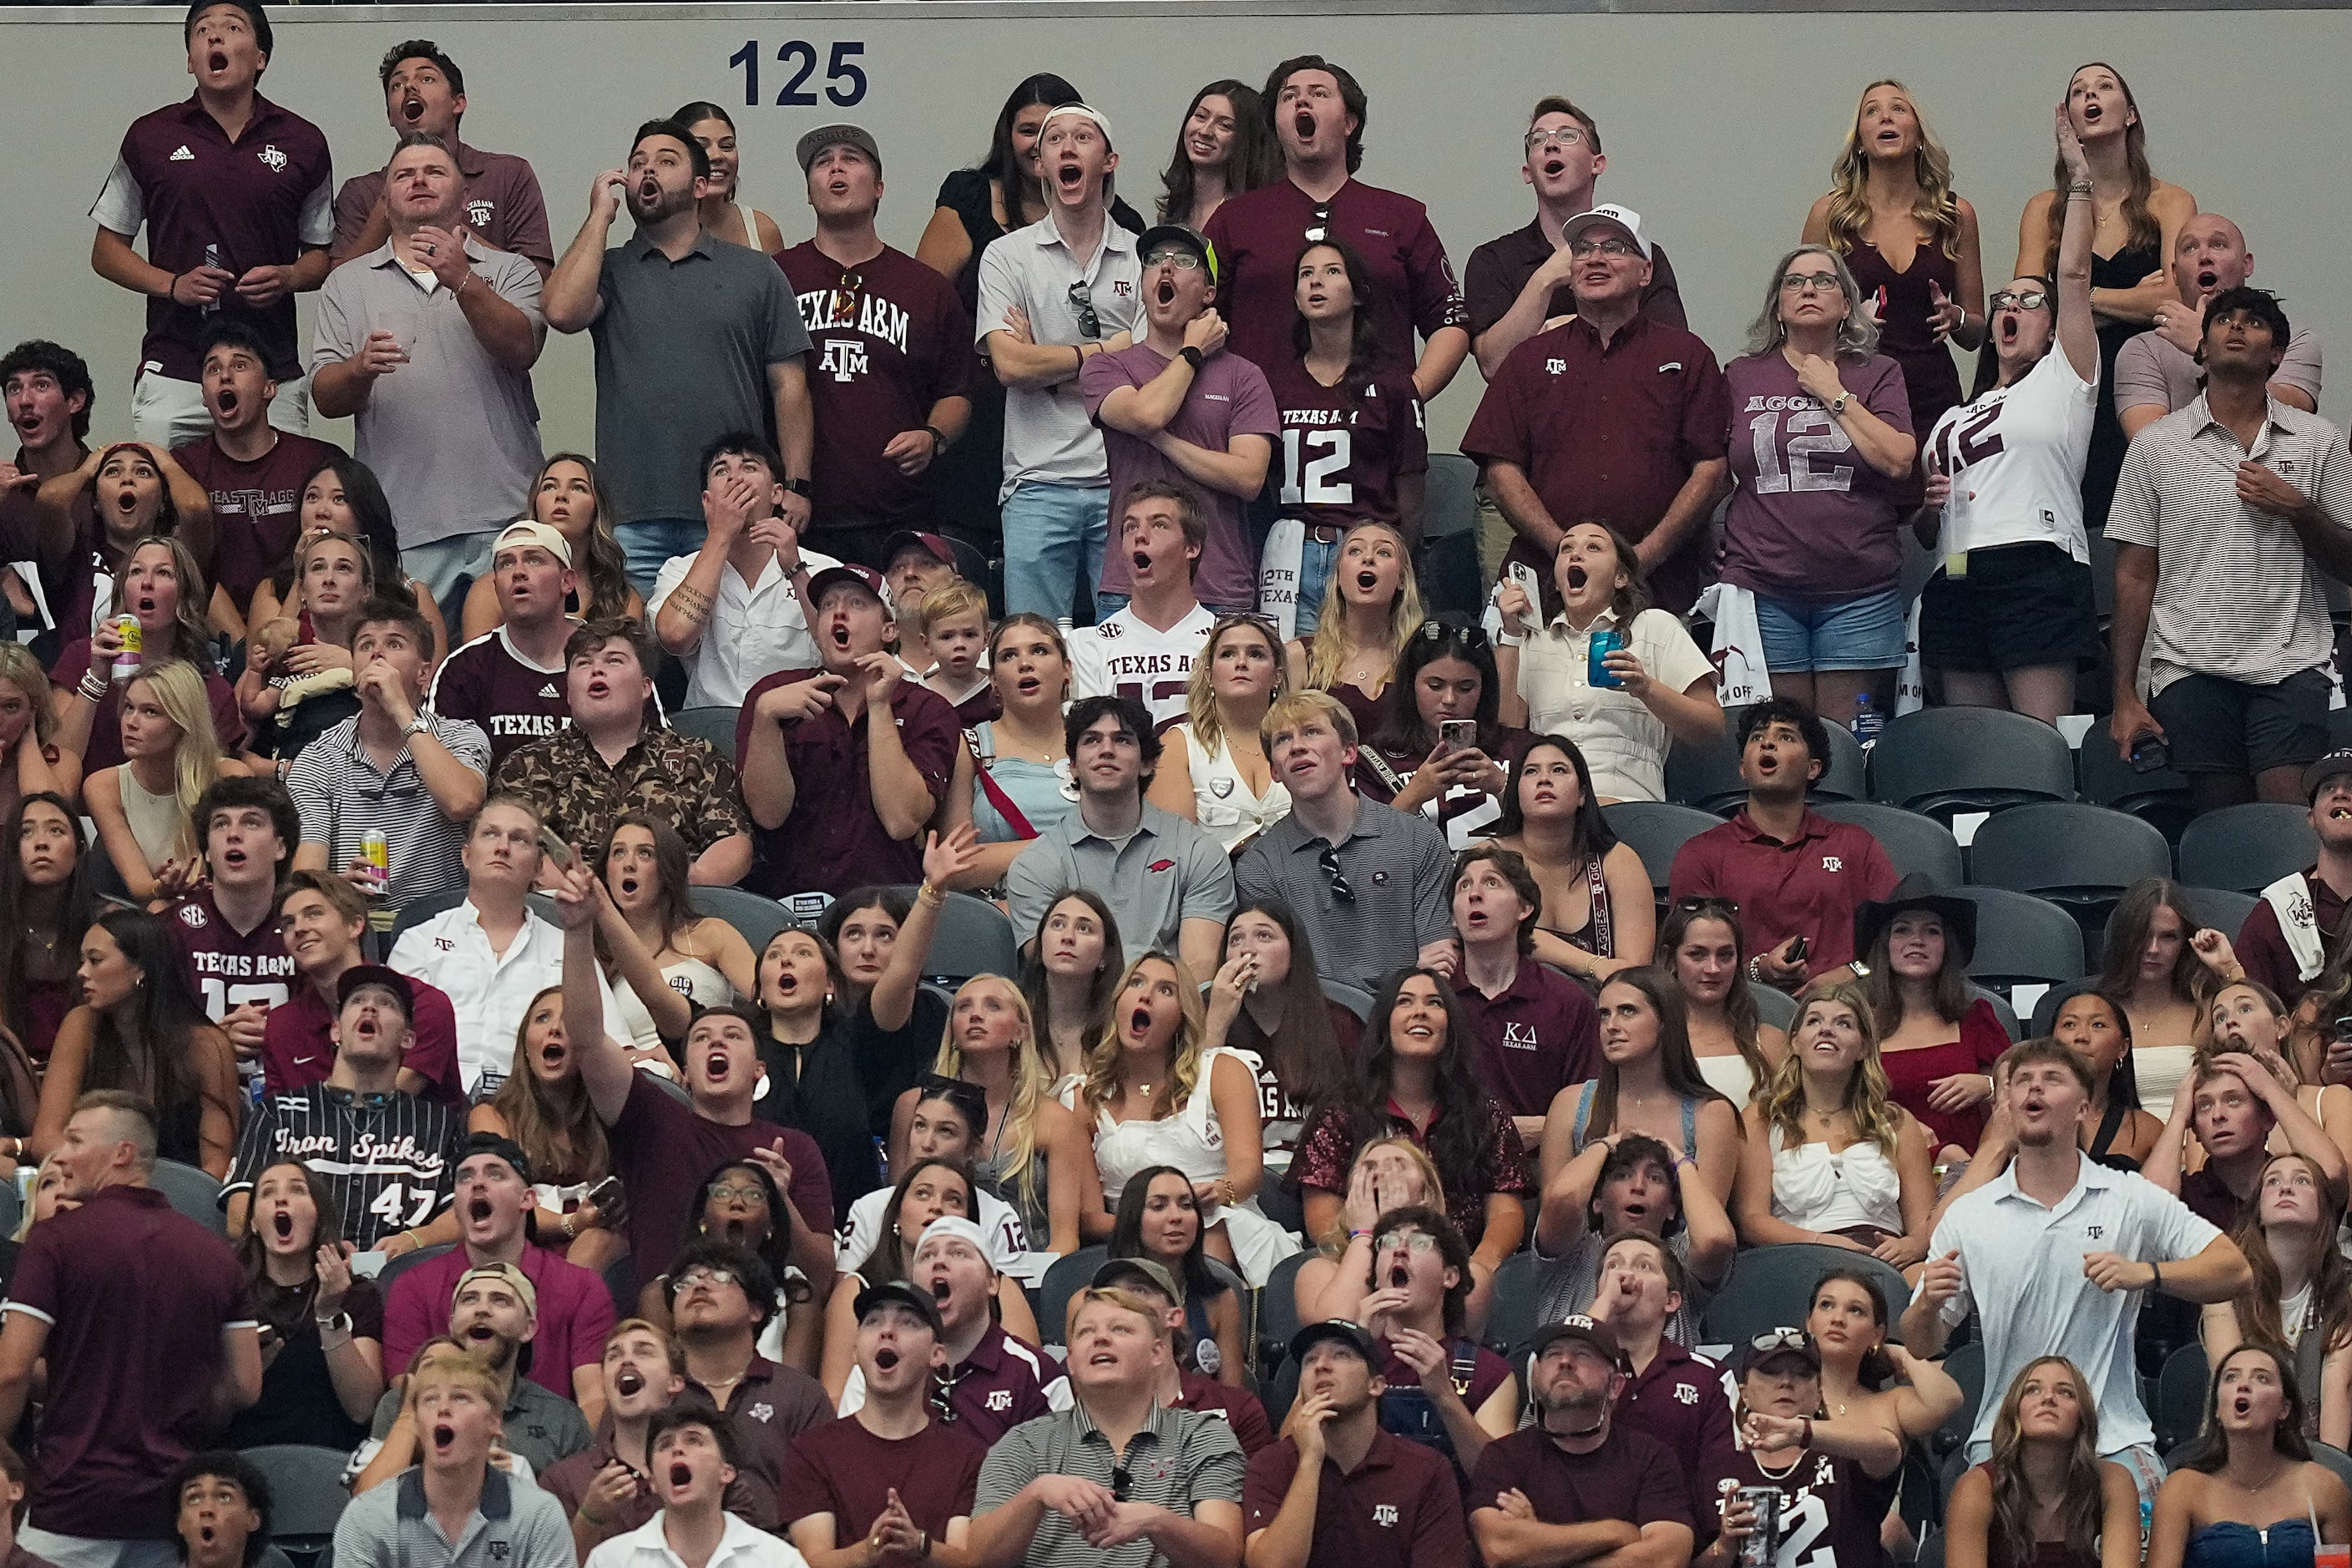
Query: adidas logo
{"points": [[184, 156], [549, 690]]}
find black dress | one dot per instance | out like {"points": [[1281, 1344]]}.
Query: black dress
{"points": [[2124, 269], [841, 1088], [298, 1401]]}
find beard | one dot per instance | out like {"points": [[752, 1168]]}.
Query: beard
{"points": [[666, 204], [1576, 1411]]}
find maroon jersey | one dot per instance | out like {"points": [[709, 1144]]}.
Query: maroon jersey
{"points": [[887, 340], [257, 506], [1260, 234], [514, 700], [259, 201], [1830, 1509], [229, 968], [1342, 453]]}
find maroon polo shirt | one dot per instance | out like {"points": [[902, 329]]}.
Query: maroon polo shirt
{"points": [[1500, 269], [574, 1315], [661, 1150], [1343, 449], [1260, 235], [136, 1297], [1811, 885], [1533, 1038], [106, 725], [297, 1043], [772, 1405], [1238, 1406], [1000, 1384], [226, 967], [882, 350], [2263, 949], [1608, 434], [1630, 1477], [1399, 1505], [257, 506], [841, 1469], [514, 702], [2208, 1197], [834, 840], [249, 197], [568, 1480], [1679, 1400], [503, 205]]}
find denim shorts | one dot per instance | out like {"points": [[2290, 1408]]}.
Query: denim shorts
{"points": [[1860, 634]]}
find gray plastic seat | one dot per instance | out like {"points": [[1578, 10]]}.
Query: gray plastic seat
{"points": [[1916, 844], [714, 724], [192, 1192], [1942, 760], [758, 919], [1772, 1287], [1657, 830], [973, 937], [1450, 504], [2221, 909], [1511, 1307], [1707, 776], [1775, 1009], [2023, 938], [2080, 858], [2245, 848], [1354, 998], [2160, 798], [306, 1494]]}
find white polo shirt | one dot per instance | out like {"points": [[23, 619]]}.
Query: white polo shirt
{"points": [[490, 991], [755, 630], [1047, 437], [2022, 1276], [740, 1547]]}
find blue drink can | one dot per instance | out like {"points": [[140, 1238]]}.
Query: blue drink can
{"points": [[1597, 648]]}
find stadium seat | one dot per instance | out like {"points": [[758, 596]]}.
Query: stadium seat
{"points": [[2180, 1412], [1707, 777], [2002, 1010], [1964, 1364], [1916, 844], [404, 1263], [2023, 938], [1447, 562], [973, 937], [621, 1279], [1354, 998], [2080, 858], [1657, 830], [2160, 798], [418, 911], [1511, 1307], [306, 1495], [758, 919], [716, 725], [2221, 909], [1772, 1287], [1279, 1393], [192, 1193], [1774, 1006], [1279, 1202], [1941, 761], [1065, 1279], [2245, 848], [1278, 1310], [2334, 1459]]}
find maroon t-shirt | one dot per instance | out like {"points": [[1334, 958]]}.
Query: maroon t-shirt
{"points": [[1811, 884], [881, 354], [834, 840], [1499, 268], [1830, 1511], [1401, 1505], [1238, 1406], [297, 1043], [1340, 455], [1228, 397], [136, 1297], [227, 967], [1679, 1399], [768, 1409], [257, 506], [1539, 1034], [106, 725], [247, 197], [503, 204], [1810, 521], [843, 1469], [1630, 1477], [1260, 235], [574, 1316], [2263, 949], [661, 1150], [514, 702], [1608, 434]]}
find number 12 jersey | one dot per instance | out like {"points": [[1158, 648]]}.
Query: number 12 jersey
{"points": [[2016, 457], [1342, 453]]}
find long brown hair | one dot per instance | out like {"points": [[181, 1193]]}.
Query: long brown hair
{"points": [[604, 576], [1869, 1101], [1740, 1004], [2141, 230], [1938, 210], [1676, 1064], [1949, 993], [553, 1124], [2209, 1450], [2193, 981], [891, 1255], [287, 1315], [2081, 1506], [2257, 1306], [1303, 1053], [1200, 690]]}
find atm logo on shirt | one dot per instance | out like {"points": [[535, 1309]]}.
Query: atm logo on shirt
{"points": [[1385, 1515]]}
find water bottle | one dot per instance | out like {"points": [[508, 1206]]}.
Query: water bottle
{"points": [[1867, 721]]}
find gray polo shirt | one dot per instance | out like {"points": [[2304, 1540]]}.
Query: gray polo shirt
{"points": [[682, 355], [1048, 438], [1167, 872], [513, 1526], [453, 435], [1180, 1458], [540, 1425], [1398, 869]]}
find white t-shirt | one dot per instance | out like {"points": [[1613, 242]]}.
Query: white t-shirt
{"points": [[997, 1221], [2022, 1277], [1127, 657], [1623, 742], [2016, 457]]}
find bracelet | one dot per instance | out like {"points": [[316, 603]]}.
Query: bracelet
{"points": [[589, 1520], [2078, 187], [1080, 349], [1225, 1185], [172, 290], [92, 686], [458, 292], [1755, 971], [1359, 1235], [570, 1226], [932, 897]]}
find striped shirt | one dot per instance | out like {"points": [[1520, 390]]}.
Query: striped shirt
{"points": [[341, 794], [2236, 595], [391, 1160], [1180, 1458]]}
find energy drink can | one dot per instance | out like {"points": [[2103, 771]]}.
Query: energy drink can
{"points": [[126, 663], [376, 851], [1597, 649]]}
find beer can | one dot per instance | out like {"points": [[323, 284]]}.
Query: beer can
{"points": [[376, 851], [1604, 642], [1756, 1550], [126, 663]]}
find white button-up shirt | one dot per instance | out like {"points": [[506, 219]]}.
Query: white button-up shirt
{"points": [[1623, 742], [740, 1547], [755, 630], [490, 991]]}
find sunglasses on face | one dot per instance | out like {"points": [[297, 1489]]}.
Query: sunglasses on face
{"points": [[1082, 302], [2023, 299]]}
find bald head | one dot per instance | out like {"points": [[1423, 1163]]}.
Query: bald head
{"points": [[2208, 255]]}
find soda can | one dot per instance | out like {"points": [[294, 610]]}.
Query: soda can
{"points": [[376, 851], [1756, 1550], [126, 663], [1604, 642]]}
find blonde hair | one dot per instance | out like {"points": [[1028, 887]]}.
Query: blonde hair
{"points": [[1200, 693], [956, 597], [196, 757], [1293, 708], [1183, 1056], [1938, 210], [1327, 654], [20, 669], [1118, 1296], [1019, 1138], [1868, 1100], [456, 1366], [319, 536]]}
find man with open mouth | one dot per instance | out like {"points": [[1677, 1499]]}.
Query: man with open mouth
{"points": [[719, 1297], [227, 929], [1631, 1183], [895, 1475], [319, 923], [234, 193], [693, 1459], [1181, 1386], [2285, 941], [1146, 649], [47, 393], [223, 1505], [2157, 372]]}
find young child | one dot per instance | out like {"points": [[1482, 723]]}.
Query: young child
{"points": [[955, 632], [224, 1502]]}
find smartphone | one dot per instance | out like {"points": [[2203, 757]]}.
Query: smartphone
{"points": [[1458, 734], [1797, 951], [607, 1193], [554, 848], [2149, 754]]}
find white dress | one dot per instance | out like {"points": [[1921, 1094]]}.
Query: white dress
{"points": [[1192, 1141], [1221, 801], [2158, 1071], [1815, 1189]]}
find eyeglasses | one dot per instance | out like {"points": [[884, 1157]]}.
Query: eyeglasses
{"points": [[1798, 282], [844, 297], [1119, 1481], [1329, 860], [1318, 227], [726, 1192], [1580, 248], [1566, 136], [1415, 1242], [1172, 255], [1082, 301], [2024, 300], [700, 1276]]}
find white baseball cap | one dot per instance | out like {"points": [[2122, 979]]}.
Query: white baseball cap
{"points": [[1625, 220]]}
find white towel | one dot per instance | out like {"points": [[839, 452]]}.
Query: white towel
{"points": [[1911, 686], [1740, 676], [2290, 900], [1277, 574]]}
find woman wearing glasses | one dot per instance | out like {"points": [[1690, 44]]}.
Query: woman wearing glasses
{"points": [[1214, 772], [2009, 619], [1417, 758], [1821, 445]]}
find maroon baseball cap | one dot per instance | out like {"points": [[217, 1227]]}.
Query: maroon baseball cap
{"points": [[865, 577], [938, 547]]}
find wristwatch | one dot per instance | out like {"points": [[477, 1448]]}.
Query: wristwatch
{"points": [[1837, 403], [800, 487], [421, 724], [342, 1320]]}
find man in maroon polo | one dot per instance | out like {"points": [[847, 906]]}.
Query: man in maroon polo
{"points": [[1792, 872], [1533, 1031], [226, 927], [320, 919], [1340, 1492], [2314, 898], [1614, 416], [1670, 1393], [141, 1316], [721, 1297], [424, 90], [1318, 118], [232, 191]]}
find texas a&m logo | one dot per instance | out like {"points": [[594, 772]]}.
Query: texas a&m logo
{"points": [[1000, 1400], [1384, 1515], [844, 359]]}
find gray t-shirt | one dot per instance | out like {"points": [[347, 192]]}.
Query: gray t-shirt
{"points": [[682, 355], [1048, 439], [2151, 373]]}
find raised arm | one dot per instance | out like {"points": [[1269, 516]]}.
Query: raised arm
{"points": [[2078, 330], [604, 1063], [572, 301], [1569, 1176], [892, 999]]}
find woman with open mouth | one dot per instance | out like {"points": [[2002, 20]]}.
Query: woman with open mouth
{"points": [[1370, 610], [323, 1327], [341, 496], [724, 216], [1159, 1218], [567, 497], [1224, 145], [1214, 770], [1599, 914], [741, 1205], [1938, 1037], [2301, 1296], [2045, 1497], [1445, 676], [161, 586], [543, 1105], [47, 897], [1706, 948], [144, 806], [1069, 972], [1389, 1173], [1012, 778], [2247, 1491], [664, 961], [129, 490]]}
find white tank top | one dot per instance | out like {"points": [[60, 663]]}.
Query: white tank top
{"points": [[691, 977], [1730, 1077], [2016, 459], [1221, 801]]}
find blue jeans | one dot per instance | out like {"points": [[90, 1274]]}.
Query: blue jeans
{"points": [[646, 545], [1055, 536], [1315, 562], [1860, 634]]}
